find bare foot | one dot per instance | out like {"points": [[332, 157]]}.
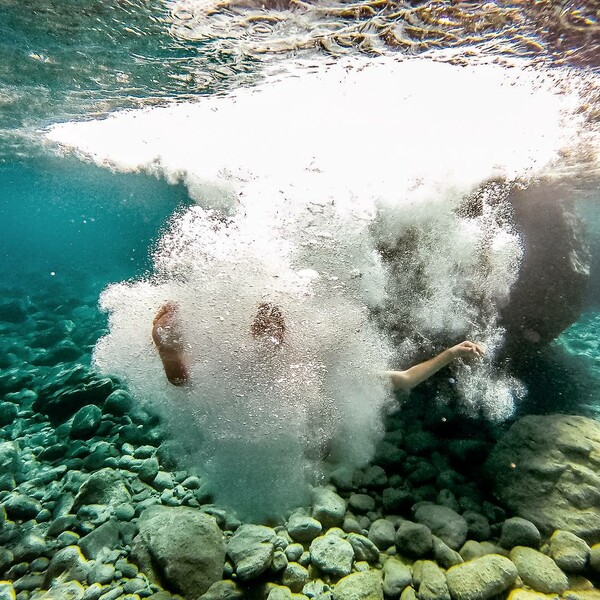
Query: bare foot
{"points": [[269, 324], [166, 334]]}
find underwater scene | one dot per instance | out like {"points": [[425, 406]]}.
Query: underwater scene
{"points": [[300, 299]]}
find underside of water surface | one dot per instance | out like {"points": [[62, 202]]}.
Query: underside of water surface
{"points": [[242, 245]]}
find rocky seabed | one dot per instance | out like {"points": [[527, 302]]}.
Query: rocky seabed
{"points": [[93, 505]]}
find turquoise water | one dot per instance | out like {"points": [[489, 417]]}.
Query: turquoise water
{"points": [[226, 156]]}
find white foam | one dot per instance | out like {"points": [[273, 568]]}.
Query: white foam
{"points": [[311, 176]]}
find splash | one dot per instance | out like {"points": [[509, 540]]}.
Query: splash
{"points": [[339, 193]]}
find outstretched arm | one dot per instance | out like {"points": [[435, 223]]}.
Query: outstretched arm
{"points": [[406, 380]]}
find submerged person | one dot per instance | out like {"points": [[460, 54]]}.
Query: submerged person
{"points": [[269, 328]]}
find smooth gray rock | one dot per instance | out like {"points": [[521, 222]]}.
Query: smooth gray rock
{"points": [[429, 581], [251, 549], [223, 590], [394, 499], [118, 402], [328, 507], [364, 548], [68, 562], [148, 469], [185, 545], [303, 528], [414, 539], [481, 578], [295, 577], [86, 421], [29, 547], [396, 576], [544, 470], [374, 477], [106, 536], [382, 533], [361, 503], [365, 585], [8, 413], [443, 522], [519, 532], [332, 555], [102, 487], [569, 551], [538, 571], [101, 573], [19, 506], [444, 555], [478, 526]]}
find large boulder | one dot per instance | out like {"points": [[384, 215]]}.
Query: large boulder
{"points": [[547, 469], [185, 547], [547, 297]]}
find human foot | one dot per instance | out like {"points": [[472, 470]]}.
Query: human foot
{"points": [[269, 324], [166, 334]]}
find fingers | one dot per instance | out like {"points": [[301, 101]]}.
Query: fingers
{"points": [[468, 348]]}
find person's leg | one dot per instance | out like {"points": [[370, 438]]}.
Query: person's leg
{"points": [[167, 336]]}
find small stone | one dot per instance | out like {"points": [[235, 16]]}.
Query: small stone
{"points": [[163, 481], [482, 578], [8, 413], [538, 570], [303, 528], [478, 526], [430, 581], [361, 503], [102, 487], [332, 555], [444, 555], [294, 552], [86, 421], [295, 576], [382, 533], [279, 592], [29, 547], [472, 549], [595, 558], [522, 594], [125, 511], [19, 506], [149, 470], [7, 591], [414, 539], [365, 585], [68, 538], [118, 403], [569, 551], [519, 532], [364, 548], [251, 549], [100, 573], [221, 590], [104, 536], [374, 477], [69, 562], [396, 576], [443, 522], [396, 500], [328, 507]]}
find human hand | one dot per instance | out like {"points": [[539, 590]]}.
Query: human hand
{"points": [[466, 349]]}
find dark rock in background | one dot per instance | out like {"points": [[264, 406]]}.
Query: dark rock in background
{"points": [[548, 294]]}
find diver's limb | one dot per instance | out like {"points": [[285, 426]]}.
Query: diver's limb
{"points": [[406, 380], [166, 334]]}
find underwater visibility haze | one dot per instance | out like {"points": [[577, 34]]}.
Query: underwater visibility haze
{"points": [[388, 179]]}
